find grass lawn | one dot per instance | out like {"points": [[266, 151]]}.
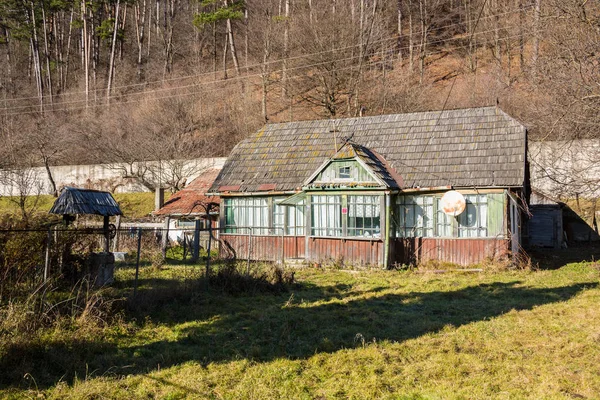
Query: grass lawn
{"points": [[334, 334], [133, 205]]}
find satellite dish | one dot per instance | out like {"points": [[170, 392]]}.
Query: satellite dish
{"points": [[453, 203]]}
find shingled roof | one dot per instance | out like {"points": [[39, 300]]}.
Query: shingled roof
{"points": [[188, 201], [475, 147], [85, 201]]}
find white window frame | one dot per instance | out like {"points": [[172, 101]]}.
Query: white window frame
{"points": [[422, 216], [252, 215], [366, 208], [326, 215]]}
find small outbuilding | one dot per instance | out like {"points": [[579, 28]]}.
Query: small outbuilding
{"points": [[189, 213]]}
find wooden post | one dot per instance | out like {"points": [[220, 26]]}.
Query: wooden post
{"points": [[137, 261], [208, 247], [165, 237], [117, 234], [106, 235], [283, 242], [385, 232], [196, 247], [47, 261], [249, 250], [159, 198]]}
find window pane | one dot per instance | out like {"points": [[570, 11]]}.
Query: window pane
{"points": [[365, 219], [326, 215], [473, 221], [241, 214], [416, 217]]}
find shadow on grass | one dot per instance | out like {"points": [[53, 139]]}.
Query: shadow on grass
{"points": [[221, 328], [545, 258]]}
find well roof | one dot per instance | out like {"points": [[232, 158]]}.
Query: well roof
{"points": [[474, 147], [85, 201]]}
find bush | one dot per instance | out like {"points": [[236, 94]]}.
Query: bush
{"points": [[267, 279]]}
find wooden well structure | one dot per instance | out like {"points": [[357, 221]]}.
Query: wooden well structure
{"points": [[75, 201]]}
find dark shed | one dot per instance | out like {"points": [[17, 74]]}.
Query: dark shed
{"points": [[85, 201]]}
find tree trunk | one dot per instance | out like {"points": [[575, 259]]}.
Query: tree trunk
{"points": [[111, 64], [169, 17], [521, 35], [140, 26], [286, 36], [422, 48], [36, 59], [399, 16], [536, 37], [265, 69], [86, 52], [50, 177], [246, 43], [411, 44], [68, 55], [225, 47], [232, 43], [8, 88], [123, 20], [47, 55]]}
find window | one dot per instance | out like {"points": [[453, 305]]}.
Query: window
{"points": [[185, 223], [278, 216], [473, 221], [191, 223], [422, 216], [295, 220], [443, 222], [326, 215], [415, 216], [247, 212], [290, 217], [364, 216], [344, 173]]}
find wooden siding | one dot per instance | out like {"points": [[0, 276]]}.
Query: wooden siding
{"points": [[459, 251], [545, 226], [264, 248], [347, 251], [357, 172], [496, 220]]}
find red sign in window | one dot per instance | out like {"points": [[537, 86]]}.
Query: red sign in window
{"points": [[344, 210]]}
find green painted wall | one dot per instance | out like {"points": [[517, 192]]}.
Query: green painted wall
{"points": [[357, 172]]}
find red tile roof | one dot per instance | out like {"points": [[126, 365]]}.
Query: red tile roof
{"points": [[188, 200]]}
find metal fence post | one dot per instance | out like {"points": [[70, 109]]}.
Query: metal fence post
{"points": [[47, 260], [282, 246], [137, 261], [208, 247], [249, 250], [165, 237]]}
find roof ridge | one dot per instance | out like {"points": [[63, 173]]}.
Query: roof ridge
{"points": [[335, 120]]}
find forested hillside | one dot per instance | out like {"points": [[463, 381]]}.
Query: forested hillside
{"points": [[125, 80]]}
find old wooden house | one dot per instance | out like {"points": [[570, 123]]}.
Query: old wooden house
{"points": [[369, 190]]}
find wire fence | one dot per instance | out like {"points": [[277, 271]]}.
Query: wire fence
{"points": [[30, 257]]}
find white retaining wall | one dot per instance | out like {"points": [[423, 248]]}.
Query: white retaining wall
{"points": [[107, 177]]}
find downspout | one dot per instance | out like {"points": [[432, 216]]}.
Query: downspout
{"points": [[386, 246]]}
